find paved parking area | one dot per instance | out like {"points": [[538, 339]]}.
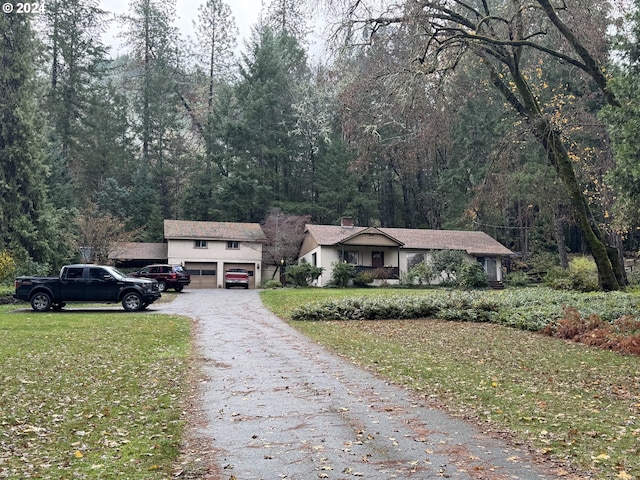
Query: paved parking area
{"points": [[278, 406]]}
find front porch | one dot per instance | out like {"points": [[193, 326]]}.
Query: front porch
{"points": [[379, 273]]}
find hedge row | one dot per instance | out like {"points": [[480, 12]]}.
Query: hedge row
{"points": [[528, 309]]}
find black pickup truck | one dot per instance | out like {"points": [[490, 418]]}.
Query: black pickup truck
{"points": [[86, 283]]}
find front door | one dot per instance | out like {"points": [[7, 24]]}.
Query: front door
{"points": [[377, 259], [492, 269]]}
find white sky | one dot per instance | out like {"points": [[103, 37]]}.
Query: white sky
{"points": [[246, 13]]}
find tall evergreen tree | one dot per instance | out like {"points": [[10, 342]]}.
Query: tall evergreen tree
{"points": [[265, 96], [29, 225], [154, 62]]}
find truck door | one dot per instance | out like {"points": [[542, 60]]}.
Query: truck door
{"points": [[101, 286], [72, 285]]}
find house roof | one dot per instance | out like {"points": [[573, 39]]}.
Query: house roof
{"points": [[185, 229], [138, 250], [472, 242]]}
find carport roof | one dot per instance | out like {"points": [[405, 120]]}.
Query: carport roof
{"points": [[186, 229], [138, 251]]}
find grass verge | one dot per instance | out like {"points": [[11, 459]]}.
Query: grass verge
{"points": [[571, 403], [91, 394]]}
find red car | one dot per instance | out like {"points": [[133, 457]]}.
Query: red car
{"points": [[167, 276]]}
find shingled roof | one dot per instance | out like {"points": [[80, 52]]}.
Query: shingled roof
{"points": [[472, 242], [138, 250], [242, 232]]}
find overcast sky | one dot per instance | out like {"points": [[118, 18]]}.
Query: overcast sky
{"points": [[246, 13]]}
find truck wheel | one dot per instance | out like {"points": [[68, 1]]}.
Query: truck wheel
{"points": [[179, 288], [132, 302], [162, 286], [41, 302]]}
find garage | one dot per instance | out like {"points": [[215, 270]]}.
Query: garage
{"points": [[249, 267], [203, 275]]}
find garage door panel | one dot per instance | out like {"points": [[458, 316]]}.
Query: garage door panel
{"points": [[203, 275]]}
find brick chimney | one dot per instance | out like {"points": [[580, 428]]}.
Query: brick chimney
{"points": [[347, 222]]}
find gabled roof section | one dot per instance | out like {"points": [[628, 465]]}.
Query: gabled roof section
{"points": [[331, 234], [473, 242], [241, 232], [371, 236]]}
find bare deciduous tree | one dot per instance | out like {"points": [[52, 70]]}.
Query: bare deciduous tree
{"points": [[509, 36]]}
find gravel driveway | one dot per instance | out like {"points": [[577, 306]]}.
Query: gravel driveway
{"points": [[278, 406]]}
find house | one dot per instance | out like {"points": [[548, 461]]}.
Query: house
{"points": [[389, 252], [205, 249], [208, 249]]}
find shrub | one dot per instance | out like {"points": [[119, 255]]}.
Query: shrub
{"points": [[622, 336], [272, 284], [472, 275], [363, 279], [447, 263], [606, 320], [303, 274], [517, 279], [581, 276], [420, 274], [342, 274], [7, 267], [634, 278]]}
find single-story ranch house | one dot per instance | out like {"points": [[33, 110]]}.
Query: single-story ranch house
{"points": [[393, 251], [208, 249]]}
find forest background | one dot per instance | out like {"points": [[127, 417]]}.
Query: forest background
{"points": [[407, 121]]}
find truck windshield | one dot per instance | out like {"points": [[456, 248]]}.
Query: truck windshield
{"points": [[117, 274]]}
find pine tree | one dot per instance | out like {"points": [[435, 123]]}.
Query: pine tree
{"points": [[29, 225]]}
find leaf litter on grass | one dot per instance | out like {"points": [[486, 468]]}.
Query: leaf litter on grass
{"points": [[572, 403]]}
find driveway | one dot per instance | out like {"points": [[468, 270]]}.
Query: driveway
{"points": [[278, 406]]}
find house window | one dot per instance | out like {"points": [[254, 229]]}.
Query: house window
{"points": [[350, 257], [314, 259], [415, 259], [233, 245], [201, 244]]}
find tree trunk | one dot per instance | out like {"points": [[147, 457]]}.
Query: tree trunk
{"points": [[608, 276]]}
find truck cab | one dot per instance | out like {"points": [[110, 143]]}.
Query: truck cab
{"points": [[86, 283]]}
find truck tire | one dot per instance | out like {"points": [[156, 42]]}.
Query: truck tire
{"points": [[162, 285], [41, 302], [132, 302]]}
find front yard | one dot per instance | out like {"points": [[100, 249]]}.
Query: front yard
{"points": [[101, 394], [574, 405], [91, 394]]}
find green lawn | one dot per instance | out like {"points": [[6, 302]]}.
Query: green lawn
{"points": [[91, 394], [569, 402]]}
